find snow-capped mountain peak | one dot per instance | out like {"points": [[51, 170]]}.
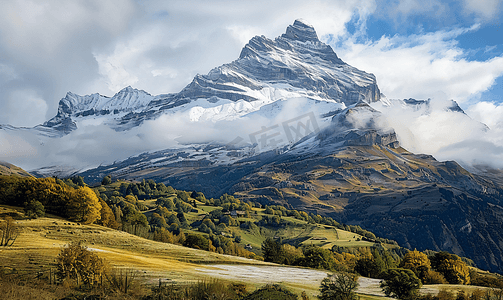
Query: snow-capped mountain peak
{"points": [[292, 66], [301, 31]]}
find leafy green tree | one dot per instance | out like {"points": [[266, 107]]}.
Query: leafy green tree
{"points": [[368, 267], [137, 219], [197, 241], [175, 229], [78, 180], [165, 202], [158, 221], [34, 209], [123, 189], [131, 199], [380, 264], [290, 254], [204, 228], [271, 250], [181, 217], [182, 195], [172, 219], [339, 286], [318, 258], [228, 220], [269, 210], [106, 180], [401, 283], [209, 223], [272, 292]]}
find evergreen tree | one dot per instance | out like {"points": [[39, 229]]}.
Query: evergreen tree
{"points": [[272, 251]]}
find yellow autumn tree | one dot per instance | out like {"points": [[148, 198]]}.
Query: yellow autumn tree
{"points": [[451, 267], [84, 206], [107, 217], [416, 261], [76, 262]]}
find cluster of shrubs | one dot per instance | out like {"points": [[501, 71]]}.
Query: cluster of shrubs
{"points": [[366, 261], [278, 210]]}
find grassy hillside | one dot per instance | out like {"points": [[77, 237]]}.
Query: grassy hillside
{"points": [[290, 226], [297, 233], [35, 250], [9, 169]]}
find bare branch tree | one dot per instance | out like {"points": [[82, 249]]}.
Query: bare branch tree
{"points": [[9, 231]]}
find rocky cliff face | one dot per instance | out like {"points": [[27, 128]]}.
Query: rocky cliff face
{"points": [[359, 125]]}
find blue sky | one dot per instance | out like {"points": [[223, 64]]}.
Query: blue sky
{"points": [[481, 39]]}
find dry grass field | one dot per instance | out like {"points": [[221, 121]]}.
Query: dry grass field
{"points": [[35, 250], [33, 255]]}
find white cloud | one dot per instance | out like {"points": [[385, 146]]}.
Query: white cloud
{"points": [[420, 66], [45, 26], [450, 135], [23, 103], [488, 113], [47, 46], [7, 73], [175, 41], [15, 147], [485, 9], [94, 143]]}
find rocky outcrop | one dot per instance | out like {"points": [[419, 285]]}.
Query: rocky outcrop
{"points": [[358, 125], [371, 137]]}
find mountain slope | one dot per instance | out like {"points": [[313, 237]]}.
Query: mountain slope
{"points": [[9, 169], [355, 171]]}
